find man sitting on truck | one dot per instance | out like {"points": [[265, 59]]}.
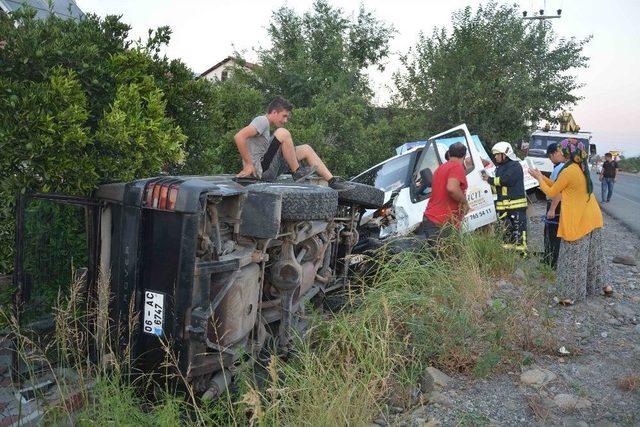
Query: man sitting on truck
{"points": [[265, 156]]}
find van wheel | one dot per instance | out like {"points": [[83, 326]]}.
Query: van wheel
{"points": [[363, 195], [302, 202]]}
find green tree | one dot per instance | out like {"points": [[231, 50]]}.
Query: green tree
{"points": [[320, 51], [319, 61], [497, 73], [211, 114], [134, 138]]}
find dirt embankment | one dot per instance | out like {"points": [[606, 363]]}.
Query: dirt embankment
{"points": [[591, 378]]}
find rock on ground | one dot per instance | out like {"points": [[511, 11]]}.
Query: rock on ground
{"points": [[537, 377], [438, 377], [569, 402], [441, 399], [626, 260]]}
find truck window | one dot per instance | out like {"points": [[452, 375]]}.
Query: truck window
{"points": [[444, 142], [390, 175], [423, 175], [538, 144]]}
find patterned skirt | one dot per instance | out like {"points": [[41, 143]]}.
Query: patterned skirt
{"points": [[581, 267]]}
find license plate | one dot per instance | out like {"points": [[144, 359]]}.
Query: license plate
{"points": [[153, 313]]}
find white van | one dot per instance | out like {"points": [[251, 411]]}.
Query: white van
{"points": [[405, 179], [540, 140]]}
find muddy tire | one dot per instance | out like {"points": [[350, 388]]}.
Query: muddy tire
{"points": [[363, 195], [302, 201]]}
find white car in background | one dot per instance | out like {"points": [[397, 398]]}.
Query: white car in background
{"points": [[406, 181]]}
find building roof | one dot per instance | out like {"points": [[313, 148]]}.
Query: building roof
{"points": [[240, 61], [60, 8]]}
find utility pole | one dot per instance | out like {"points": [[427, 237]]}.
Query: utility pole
{"points": [[541, 15]]}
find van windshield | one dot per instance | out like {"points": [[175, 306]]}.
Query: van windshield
{"points": [[390, 175], [538, 144]]}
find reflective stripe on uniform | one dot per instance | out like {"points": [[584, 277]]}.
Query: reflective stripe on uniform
{"points": [[507, 204], [523, 245]]}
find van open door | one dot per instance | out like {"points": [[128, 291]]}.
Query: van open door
{"points": [[482, 210]]}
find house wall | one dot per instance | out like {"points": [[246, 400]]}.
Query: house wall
{"points": [[217, 74]]}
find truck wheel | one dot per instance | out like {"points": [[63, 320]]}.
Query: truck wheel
{"points": [[363, 195], [302, 201]]}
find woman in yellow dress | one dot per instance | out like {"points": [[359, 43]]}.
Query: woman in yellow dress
{"points": [[581, 259]]}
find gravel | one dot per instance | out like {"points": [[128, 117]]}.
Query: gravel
{"points": [[602, 336]]}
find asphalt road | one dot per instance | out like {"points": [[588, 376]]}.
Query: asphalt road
{"points": [[625, 203]]}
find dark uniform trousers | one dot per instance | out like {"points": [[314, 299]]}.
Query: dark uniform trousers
{"points": [[511, 203], [515, 226]]}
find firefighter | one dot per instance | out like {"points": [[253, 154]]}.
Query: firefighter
{"points": [[511, 204]]}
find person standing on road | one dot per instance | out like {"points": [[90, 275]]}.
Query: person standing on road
{"points": [[511, 204], [608, 176], [552, 216], [581, 258], [265, 156], [447, 204]]}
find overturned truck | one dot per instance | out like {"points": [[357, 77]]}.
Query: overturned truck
{"points": [[210, 269]]}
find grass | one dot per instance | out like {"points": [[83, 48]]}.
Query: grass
{"points": [[411, 311], [629, 383]]}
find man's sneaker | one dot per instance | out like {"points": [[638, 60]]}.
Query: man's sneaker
{"points": [[302, 172], [340, 184]]}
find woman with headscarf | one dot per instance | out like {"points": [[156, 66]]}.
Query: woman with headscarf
{"points": [[581, 259]]}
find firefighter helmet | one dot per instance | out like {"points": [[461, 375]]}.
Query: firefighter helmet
{"points": [[504, 148]]}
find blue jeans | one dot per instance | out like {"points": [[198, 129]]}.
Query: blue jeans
{"points": [[607, 187]]}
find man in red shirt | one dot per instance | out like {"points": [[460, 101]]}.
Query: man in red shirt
{"points": [[448, 202]]}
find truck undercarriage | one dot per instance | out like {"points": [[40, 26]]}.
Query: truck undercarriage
{"points": [[206, 271]]}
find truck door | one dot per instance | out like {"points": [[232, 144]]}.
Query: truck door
{"points": [[482, 210]]}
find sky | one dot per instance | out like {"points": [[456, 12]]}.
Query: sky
{"points": [[205, 32]]}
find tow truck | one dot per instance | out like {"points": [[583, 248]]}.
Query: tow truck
{"points": [[536, 151]]}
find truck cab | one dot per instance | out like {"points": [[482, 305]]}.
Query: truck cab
{"points": [[540, 140], [405, 180]]}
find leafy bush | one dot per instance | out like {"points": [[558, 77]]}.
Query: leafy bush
{"points": [[78, 106], [631, 164]]}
